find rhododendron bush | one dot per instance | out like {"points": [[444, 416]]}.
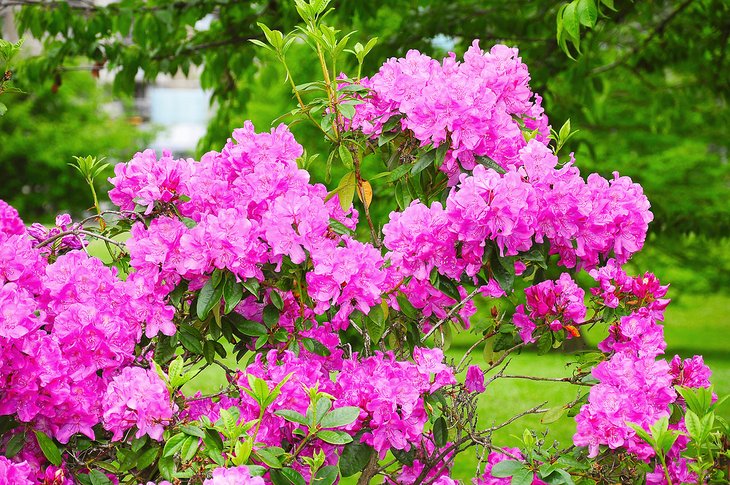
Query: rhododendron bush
{"points": [[333, 346]]}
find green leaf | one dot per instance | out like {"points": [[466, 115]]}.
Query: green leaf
{"points": [[271, 315], [398, 173], [440, 432], [503, 341], [189, 448], [340, 417], [315, 346], [346, 190], [587, 12], [489, 163], [252, 285], [544, 343], [667, 441], [252, 329], [375, 324], [147, 458], [340, 228], [334, 437], [208, 297], [48, 447], [553, 414], [641, 432], [268, 458], [571, 21], [693, 424], [326, 475], [190, 338], [507, 468], [232, 294], [99, 478], [354, 458], [286, 476], [3, 109], [276, 299], [14, 445], [173, 445], [503, 270], [522, 476], [609, 4], [440, 154], [292, 416], [406, 307], [425, 161], [404, 456], [166, 465]]}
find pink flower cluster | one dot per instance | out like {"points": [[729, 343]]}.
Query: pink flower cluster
{"points": [[137, 397], [555, 304], [583, 221], [40, 233], [476, 106], [635, 387], [145, 181], [67, 329], [12, 473], [246, 207], [426, 452]]}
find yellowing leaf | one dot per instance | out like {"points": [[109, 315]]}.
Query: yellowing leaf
{"points": [[365, 194]]}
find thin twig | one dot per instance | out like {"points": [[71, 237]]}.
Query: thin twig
{"points": [[534, 410], [569, 380], [453, 310]]}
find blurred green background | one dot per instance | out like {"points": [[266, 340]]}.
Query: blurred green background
{"points": [[647, 85]]}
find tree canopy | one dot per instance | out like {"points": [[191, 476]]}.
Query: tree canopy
{"points": [[648, 88]]}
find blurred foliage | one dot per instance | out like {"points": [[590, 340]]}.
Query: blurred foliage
{"points": [[648, 90], [43, 130]]}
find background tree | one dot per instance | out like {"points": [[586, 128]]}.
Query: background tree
{"points": [[650, 81], [44, 129]]}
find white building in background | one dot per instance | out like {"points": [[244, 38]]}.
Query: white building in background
{"points": [[179, 109]]}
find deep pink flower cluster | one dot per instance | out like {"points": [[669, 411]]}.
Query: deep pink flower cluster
{"points": [[556, 304], [137, 397], [632, 389], [474, 381], [690, 372], [239, 475], [12, 473], [616, 287], [473, 105]]}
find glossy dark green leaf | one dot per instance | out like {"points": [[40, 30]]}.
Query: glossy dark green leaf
{"points": [[48, 447]]}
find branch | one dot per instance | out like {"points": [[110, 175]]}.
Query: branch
{"points": [[658, 29], [569, 380], [453, 310]]}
